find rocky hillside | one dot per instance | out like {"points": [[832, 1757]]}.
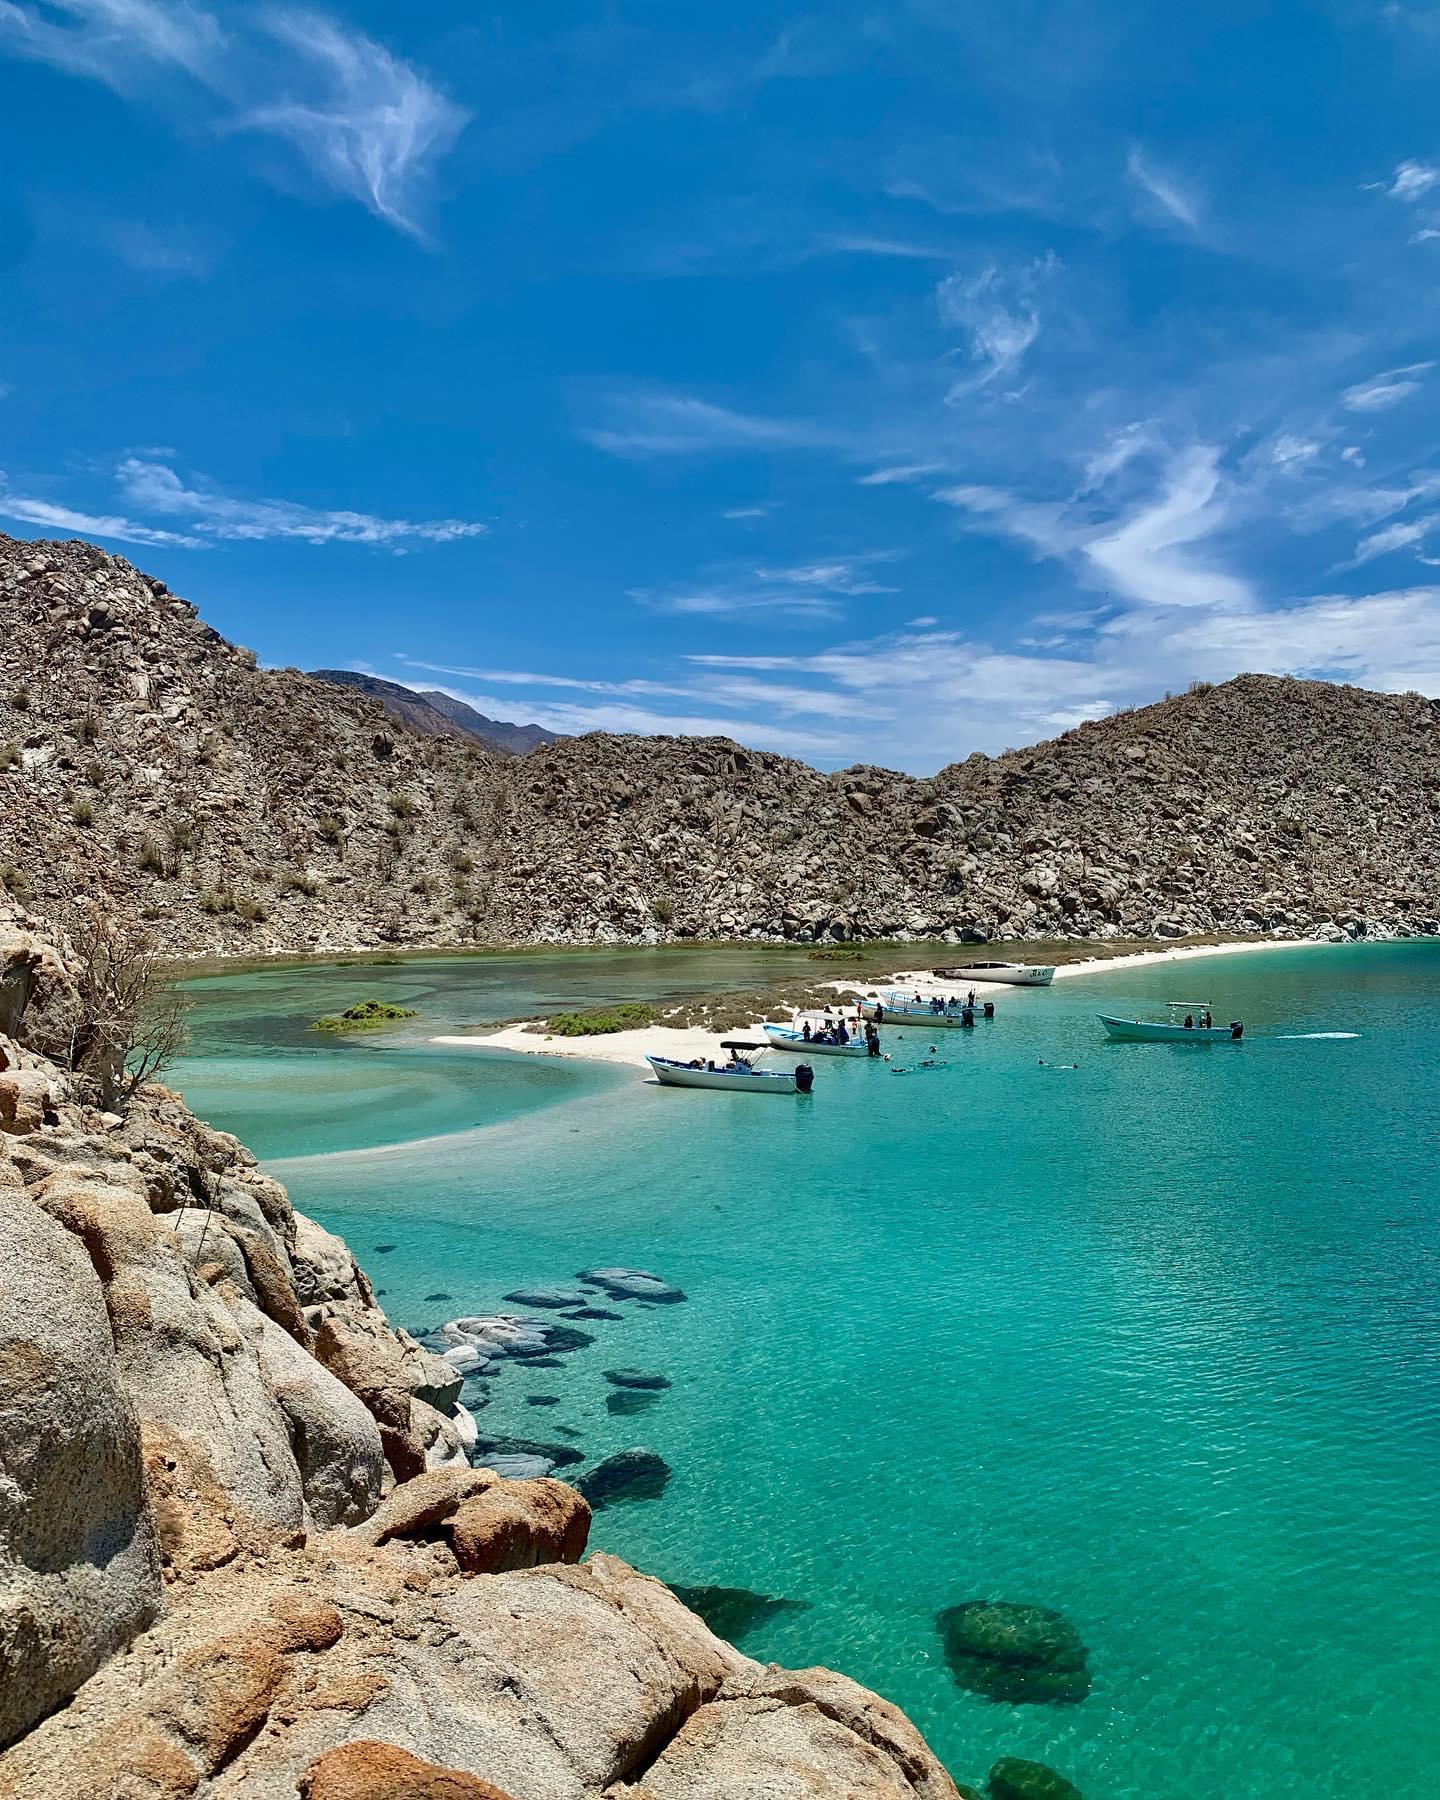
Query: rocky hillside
{"points": [[242, 809], [243, 1553], [434, 714]]}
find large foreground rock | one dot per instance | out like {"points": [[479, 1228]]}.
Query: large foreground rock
{"points": [[79, 1573]]}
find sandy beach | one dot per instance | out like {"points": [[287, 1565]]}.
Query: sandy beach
{"points": [[686, 1042]]}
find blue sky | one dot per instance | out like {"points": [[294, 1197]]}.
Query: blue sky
{"points": [[868, 383]]}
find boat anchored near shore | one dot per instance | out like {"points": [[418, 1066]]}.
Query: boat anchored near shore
{"points": [[739, 1075], [896, 1006], [1012, 974]]}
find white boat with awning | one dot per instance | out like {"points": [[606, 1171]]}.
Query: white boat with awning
{"points": [[900, 1006], [1010, 973], [786, 1037], [1189, 1030], [739, 1075]]}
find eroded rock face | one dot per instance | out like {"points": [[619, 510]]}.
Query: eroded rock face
{"points": [[371, 1771], [79, 1571]]}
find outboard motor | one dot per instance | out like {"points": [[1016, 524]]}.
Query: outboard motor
{"points": [[967, 1017], [989, 1009], [1237, 1031], [804, 1078]]}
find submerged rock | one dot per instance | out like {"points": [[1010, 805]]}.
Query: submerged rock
{"points": [[511, 1334], [488, 1445], [438, 1297], [627, 1476], [595, 1312], [733, 1613], [542, 1399], [1013, 1778], [632, 1284], [625, 1401], [517, 1468], [556, 1297], [636, 1378], [382, 1249], [1014, 1653]]}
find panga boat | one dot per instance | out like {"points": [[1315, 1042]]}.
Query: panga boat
{"points": [[1174, 1031], [898, 1007], [785, 1037], [1012, 974], [738, 1075]]}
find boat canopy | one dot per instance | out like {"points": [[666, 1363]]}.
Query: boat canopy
{"points": [[1202, 1004], [739, 1044]]}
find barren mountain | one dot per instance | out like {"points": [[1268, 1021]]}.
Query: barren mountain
{"points": [[248, 809], [434, 714]]}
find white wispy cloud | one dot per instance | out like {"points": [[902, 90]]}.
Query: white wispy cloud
{"points": [[999, 309], [661, 424], [27, 509], [1410, 182], [1165, 190], [1403, 535], [1151, 556], [899, 472], [1383, 391], [366, 124], [210, 513]]}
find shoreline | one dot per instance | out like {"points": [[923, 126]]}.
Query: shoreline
{"points": [[685, 1042]]}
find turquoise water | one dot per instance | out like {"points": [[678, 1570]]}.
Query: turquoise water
{"points": [[1153, 1341]]}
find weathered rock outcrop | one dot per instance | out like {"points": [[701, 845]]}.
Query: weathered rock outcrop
{"points": [[240, 809], [216, 1580], [79, 1571]]}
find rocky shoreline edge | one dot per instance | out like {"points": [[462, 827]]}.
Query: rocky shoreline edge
{"points": [[244, 1551]]}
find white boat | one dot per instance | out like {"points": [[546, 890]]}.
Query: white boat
{"points": [[785, 1037], [900, 1008], [739, 1075], [1012, 974], [1173, 1031]]}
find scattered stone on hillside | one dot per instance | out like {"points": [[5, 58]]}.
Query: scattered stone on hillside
{"points": [[1013, 1778], [636, 1378], [1014, 1653], [627, 1476], [632, 1284]]}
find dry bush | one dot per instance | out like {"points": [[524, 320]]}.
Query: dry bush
{"points": [[128, 1017]]}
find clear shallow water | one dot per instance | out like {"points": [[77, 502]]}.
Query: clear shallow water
{"points": [[1154, 1341]]}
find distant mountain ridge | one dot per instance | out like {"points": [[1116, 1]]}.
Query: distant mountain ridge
{"points": [[435, 714], [238, 809]]}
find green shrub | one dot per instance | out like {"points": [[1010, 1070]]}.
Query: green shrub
{"points": [[463, 863], [20, 699], [251, 910], [298, 882], [88, 730], [365, 1015], [216, 900], [663, 911], [182, 835], [836, 955], [404, 806], [82, 813], [152, 859], [329, 830], [15, 881], [9, 756], [627, 1017]]}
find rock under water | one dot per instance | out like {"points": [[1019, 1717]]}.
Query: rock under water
{"points": [[555, 1297], [632, 1284], [486, 1446], [636, 1378], [1014, 1653], [629, 1475], [625, 1401], [1014, 1778], [734, 1613]]}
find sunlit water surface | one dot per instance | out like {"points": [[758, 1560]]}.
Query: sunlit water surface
{"points": [[1153, 1341]]}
